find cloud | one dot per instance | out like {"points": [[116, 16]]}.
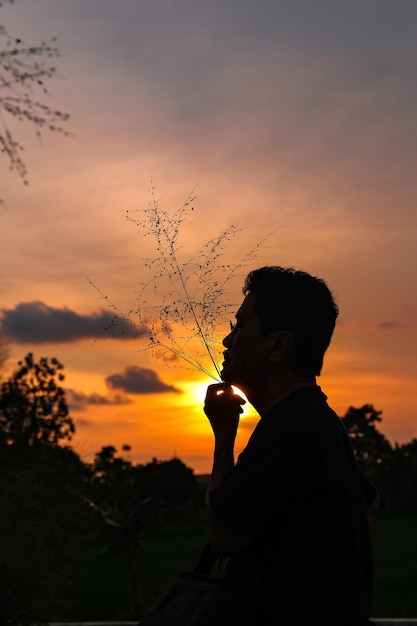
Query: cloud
{"points": [[83, 423], [78, 400], [36, 322], [389, 325], [139, 380]]}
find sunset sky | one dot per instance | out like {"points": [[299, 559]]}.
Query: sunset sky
{"points": [[291, 117]]}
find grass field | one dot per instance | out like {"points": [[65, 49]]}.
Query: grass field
{"points": [[98, 588], [395, 556]]}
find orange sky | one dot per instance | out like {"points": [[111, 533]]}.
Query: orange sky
{"points": [[295, 116]]}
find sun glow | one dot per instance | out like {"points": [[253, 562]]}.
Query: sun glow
{"points": [[195, 391]]}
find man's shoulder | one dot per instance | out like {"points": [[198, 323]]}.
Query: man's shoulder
{"points": [[301, 403], [303, 413]]}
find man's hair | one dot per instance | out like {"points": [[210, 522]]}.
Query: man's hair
{"points": [[292, 300]]}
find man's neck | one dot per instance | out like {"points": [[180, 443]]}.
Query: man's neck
{"points": [[273, 391]]}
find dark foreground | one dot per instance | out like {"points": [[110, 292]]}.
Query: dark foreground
{"points": [[98, 589]]}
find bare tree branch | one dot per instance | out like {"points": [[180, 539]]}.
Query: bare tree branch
{"points": [[24, 73]]}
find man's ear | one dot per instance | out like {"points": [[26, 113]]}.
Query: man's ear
{"points": [[281, 346]]}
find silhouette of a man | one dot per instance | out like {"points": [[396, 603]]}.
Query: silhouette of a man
{"points": [[290, 517]]}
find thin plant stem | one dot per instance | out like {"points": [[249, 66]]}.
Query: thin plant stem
{"points": [[189, 301]]}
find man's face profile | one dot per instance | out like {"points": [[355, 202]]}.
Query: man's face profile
{"points": [[246, 346]]}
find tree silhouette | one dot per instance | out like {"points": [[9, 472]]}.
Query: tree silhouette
{"points": [[171, 485], [4, 353], [133, 498], [24, 71], [392, 469], [114, 496], [371, 446], [400, 479], [46, 525], [33, 408]]}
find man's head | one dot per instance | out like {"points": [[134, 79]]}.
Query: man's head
{"points": [[291, 300], [283, 328]]}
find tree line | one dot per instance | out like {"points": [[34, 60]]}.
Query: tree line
{"points": [[56, 508]]}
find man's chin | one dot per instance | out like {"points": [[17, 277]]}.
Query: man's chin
{"points": [[224, 375], [229, 379], [227, 376]]}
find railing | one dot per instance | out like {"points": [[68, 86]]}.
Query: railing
{"points": [[392, 621], [380, 621]]}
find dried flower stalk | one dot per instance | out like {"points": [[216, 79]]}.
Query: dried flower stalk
{"points": [[185, 302]]}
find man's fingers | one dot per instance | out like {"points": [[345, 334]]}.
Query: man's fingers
{"points": [[222, 389]]}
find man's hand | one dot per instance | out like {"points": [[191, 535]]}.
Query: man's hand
{"points": [[223, 408]]}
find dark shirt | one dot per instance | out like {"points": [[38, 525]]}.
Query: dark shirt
{"points": [[297, 493]]}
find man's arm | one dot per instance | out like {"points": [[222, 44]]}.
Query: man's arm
{"points": [[223, 409]]}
